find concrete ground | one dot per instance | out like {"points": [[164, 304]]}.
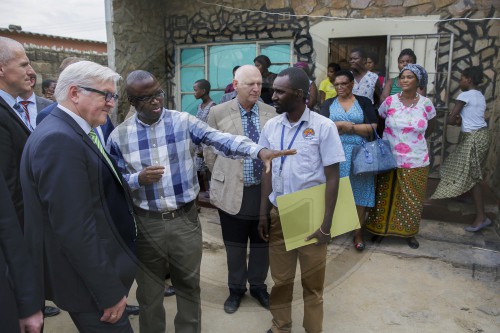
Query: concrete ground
{"points": [[450, 284]]}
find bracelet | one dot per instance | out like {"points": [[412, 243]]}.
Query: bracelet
{"points": [[328, 234], [351, 131]]}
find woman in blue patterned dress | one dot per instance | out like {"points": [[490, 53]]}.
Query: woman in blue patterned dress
{"points": [[354, 117]]}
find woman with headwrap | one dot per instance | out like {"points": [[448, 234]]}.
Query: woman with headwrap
{"points": [[400, 193]]}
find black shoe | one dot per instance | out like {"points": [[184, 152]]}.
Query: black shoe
{"points": [[132, 310], [51, 311], [412, 242], [262, 296], [169, 291], [232, 303]]}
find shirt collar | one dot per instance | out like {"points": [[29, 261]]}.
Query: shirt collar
{"points": [[306, 117], [153, 124], [79, 120], [8, 98], [31, 99], [254, 109]]}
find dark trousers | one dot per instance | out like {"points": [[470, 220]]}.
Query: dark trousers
{"points": [[89, 322], [237, 230]]}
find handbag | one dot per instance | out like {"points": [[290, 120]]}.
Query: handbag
{"points": [[373, 157]]}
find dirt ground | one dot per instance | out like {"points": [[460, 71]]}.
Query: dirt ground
{"points": [[373, 291]]}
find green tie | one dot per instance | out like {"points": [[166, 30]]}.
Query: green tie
{"points": [[97, 142]]}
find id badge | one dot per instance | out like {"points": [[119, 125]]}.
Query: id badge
{"points": [[278, 184]]}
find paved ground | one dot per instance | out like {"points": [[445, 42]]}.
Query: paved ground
{"points": [[450, 284]]}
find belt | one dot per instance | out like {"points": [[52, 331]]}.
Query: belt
{"points": [[166, 215]]}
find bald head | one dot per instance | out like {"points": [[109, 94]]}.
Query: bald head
{"points": [[7, 49], [248, 83], [138, 78], [245, 71], [15, 68]]}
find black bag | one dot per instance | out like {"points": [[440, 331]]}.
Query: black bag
{"points": [[374, 157]]}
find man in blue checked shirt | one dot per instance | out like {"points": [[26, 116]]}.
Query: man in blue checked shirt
{"points": [[153, 150]]}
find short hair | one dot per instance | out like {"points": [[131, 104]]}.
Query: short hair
{"points": [[46, 84], [408, 52], [360, 51], [264, 60], [345, 73], [298, 79], [7, 48], [204, 84], [474, 73], [68, 61], [83, 73], [373, 56], [335, 66], [235, 68]]}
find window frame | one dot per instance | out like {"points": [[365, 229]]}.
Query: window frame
{"points": [[206, 47]]}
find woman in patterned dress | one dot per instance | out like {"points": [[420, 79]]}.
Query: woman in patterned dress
{"points": [[354, 117], [462, 170], [400, 193], [365, 82]]}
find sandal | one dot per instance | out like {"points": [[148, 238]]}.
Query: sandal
{"points": [[358, 246]]}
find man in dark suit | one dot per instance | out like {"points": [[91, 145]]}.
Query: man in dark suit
{"points": [[79, 223], [19, 292], [33, 103], [15, 70], [14, 132]]}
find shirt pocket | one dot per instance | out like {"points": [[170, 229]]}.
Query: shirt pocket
{"points": [[309, 159]]}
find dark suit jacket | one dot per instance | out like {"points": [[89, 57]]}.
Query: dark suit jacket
{"points": [[77, 217], [13, 136], [20, 293], [107, 128], [42, 103]]}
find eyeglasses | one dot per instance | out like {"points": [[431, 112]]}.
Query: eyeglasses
{"points": [[107, 95], [148, 99], [341, 84]]}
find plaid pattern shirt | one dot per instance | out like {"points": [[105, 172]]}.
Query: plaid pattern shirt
{"points": [[248, 175], [169, 142]]}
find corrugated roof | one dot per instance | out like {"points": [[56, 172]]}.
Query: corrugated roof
{"points": [[27, 33]]}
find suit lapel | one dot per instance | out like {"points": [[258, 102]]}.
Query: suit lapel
{"points": [[86, 139], [234, 113], [13, 114], [264, 114]]}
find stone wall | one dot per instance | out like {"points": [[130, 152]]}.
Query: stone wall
{"points": [[192, 21], [139, 32], [46, 61]]}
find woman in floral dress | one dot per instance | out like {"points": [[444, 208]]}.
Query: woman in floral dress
{"points": [[355, 119], [400, 193]]}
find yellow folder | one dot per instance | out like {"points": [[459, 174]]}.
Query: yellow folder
{"points": [[302, 213]]}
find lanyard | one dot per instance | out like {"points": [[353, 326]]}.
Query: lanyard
{"points": [[291, 142]]}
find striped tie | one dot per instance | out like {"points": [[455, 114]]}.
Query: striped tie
{"points": [[97, 142], [23, 115]]}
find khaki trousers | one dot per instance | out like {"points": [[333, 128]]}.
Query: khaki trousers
{"points": [[175, 247], [312, 259]]}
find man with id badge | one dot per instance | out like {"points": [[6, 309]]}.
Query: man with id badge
{"points": [[319, 152]]}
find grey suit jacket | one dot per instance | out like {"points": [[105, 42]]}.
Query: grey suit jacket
{"points": [[42, 103], [226, 186]]}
